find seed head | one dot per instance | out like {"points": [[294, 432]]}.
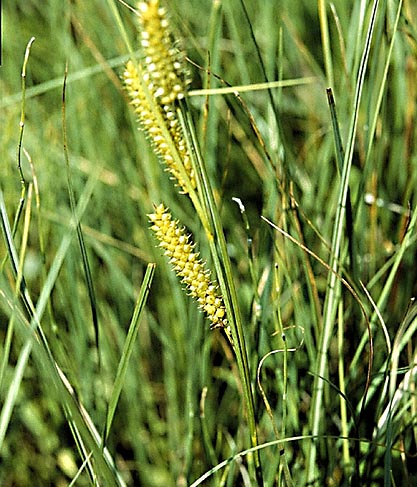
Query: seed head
{"points": [[163, 74], [178, 246], [164, 64], [146, 113]]}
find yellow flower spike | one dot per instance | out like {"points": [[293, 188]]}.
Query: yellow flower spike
{"points": [[165, 75], [151, 126], [178, 246], [165, 70]]}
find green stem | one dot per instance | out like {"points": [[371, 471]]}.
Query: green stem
{"points": [[333, 294], [223, 267]]}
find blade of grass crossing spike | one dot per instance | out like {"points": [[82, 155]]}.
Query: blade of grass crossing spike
{"points": [[128, 348], [80, 236], [156, 113], [231, 90]]}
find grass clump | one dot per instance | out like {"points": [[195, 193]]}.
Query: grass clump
{"points": [[288, 135]]}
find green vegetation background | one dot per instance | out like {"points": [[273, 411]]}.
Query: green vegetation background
{"points": [[180, 410]]}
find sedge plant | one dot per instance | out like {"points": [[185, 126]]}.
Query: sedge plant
{"points": [[156, 87], [225, 296]]}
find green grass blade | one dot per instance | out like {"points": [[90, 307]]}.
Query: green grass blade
{"points": [[13, 389], [128, 348], [340, 156], [56, 83], [222, 265], [332, 296], [324, 27], [80, 236]]}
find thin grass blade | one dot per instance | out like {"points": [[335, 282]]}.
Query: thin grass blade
{"points": [[128, 348]]}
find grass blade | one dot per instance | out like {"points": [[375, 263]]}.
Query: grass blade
{"points": [[128, 348], [333, 294]]}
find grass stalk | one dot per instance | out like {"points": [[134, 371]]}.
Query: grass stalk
{"points": [[325, 40], [128, 349], [223, 268], [333, 285]]}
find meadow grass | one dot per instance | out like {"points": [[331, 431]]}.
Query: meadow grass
{"points": [[299, 124]]}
